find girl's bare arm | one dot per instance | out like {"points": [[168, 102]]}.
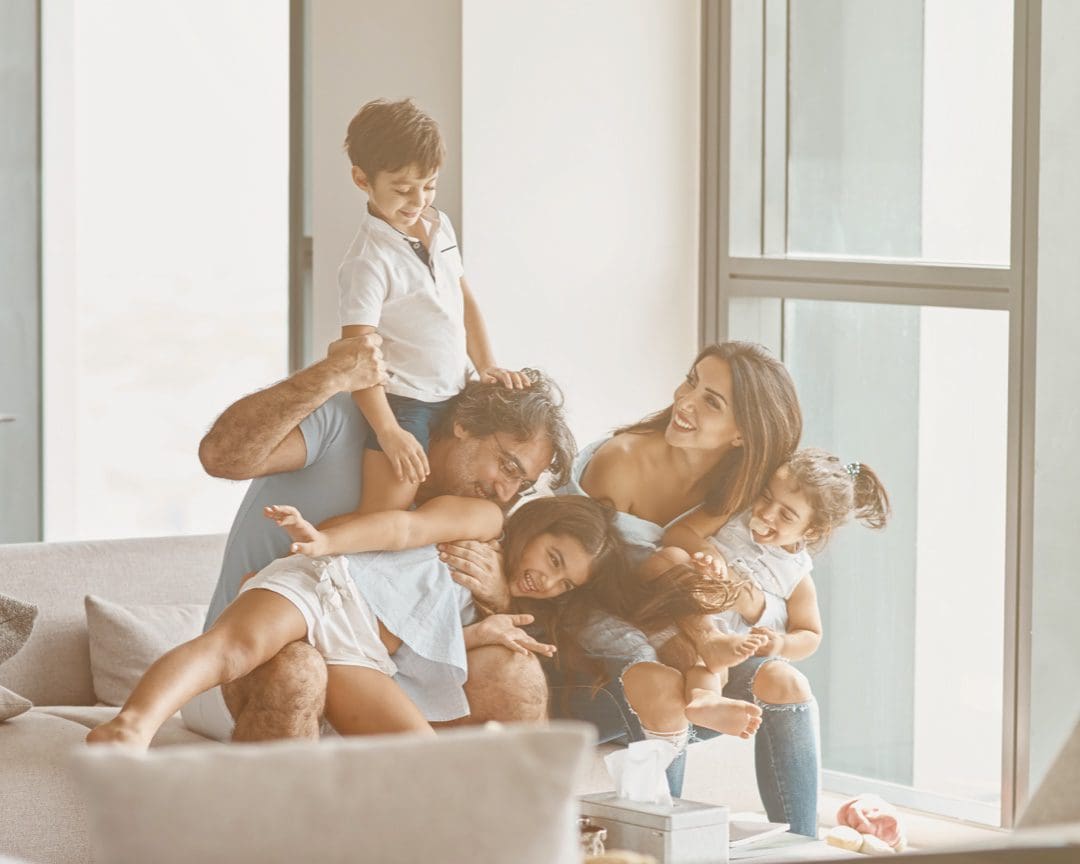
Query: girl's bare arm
{"points": [[440, 520]]}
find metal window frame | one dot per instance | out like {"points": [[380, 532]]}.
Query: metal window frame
{"points": [[725, 277], [300, 247]]}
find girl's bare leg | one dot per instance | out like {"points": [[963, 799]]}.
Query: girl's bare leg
{"points": [[251, 630], [361, 701]]}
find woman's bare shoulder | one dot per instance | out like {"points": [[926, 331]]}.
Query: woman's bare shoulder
{"points": [[610, 476]]}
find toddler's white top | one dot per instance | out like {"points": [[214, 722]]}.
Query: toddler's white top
{"points": [[772, 568], [417, 307]]}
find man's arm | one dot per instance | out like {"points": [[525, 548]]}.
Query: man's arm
{"points": [[260, 433]]}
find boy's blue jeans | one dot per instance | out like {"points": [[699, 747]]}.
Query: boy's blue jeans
{"points": [[786, 756]]}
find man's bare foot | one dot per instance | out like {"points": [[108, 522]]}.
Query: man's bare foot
{"points": [[730, 716], [120, 730], [722, 650], [306, 536]]}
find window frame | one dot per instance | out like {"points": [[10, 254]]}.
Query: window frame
{"points": [[725, 277]]}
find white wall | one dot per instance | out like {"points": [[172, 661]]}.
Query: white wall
{"points": [[580, 138], [361, 50], [576, 130], [1055, 698]]}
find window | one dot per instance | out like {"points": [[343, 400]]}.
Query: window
{"points": [[865, 219], [166, 251]]}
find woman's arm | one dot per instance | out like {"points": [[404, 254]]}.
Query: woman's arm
{"points": [[693, 530], [442, 519], [804, 625]]}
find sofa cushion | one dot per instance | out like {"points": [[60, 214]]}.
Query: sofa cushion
{"points": [[56, 577], [42, 817], [483, 796], [126, 639], [172, 731], [16, 622], [12, 704]]}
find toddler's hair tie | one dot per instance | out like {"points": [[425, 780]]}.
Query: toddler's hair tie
{"points": [[853, 469]]}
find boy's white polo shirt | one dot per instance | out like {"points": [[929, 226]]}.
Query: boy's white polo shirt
{"points": [[418, 309]]}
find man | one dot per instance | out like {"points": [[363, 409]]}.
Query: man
{"points": [[300, 442]]}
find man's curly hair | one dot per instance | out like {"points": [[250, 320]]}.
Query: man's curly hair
{"points": [[485, 408]]}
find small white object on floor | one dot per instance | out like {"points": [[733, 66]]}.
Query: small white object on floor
{"points": [[872, 845], [844, 837]]}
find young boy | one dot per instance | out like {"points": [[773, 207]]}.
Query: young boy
{"points": [[403, 277]]}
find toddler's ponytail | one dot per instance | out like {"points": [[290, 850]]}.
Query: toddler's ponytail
{"points": [[872, 506]]}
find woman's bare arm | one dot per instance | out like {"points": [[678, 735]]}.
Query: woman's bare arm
{"points": [[693, 530]]}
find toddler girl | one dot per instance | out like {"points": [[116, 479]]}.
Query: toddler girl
{"points": [[767, 605]]}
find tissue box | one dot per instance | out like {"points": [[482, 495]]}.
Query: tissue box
{"points": [[683, 832]]}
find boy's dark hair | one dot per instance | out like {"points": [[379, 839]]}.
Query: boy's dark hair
{"points": [[388, 136], [483, 409]]}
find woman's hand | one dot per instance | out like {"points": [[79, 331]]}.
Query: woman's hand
{"points": [[505, 630], [479, 567]]}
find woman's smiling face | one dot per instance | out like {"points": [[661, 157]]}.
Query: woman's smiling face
{"points": [[703, 412], [550, 565]]}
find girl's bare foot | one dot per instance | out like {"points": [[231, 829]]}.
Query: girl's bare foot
{"points": [[120, 730], [306, 536], [730, 716], [722, 650]]}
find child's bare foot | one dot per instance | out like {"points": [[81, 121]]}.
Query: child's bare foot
{"points": [[721, 650], [730, 716], [307, 538], [120, 730]]}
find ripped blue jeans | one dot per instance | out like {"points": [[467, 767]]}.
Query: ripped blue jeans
{"points": [[786, 751]]}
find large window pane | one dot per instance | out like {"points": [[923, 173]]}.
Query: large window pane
{"points": [[909, 674], [872, 128], [166, 251]]}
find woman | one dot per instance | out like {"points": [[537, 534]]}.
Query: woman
{"points": [[732, 423]]}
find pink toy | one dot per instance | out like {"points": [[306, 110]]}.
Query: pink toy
{"points": [[871, 814]]}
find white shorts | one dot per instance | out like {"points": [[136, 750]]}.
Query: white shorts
{"points": [[340, 623], [340, 626]]}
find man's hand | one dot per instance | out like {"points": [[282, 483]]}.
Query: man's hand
{"points": [[358, 361], [478, 567], [509, 378], [407, 457], [506, 630], [774, 642]]}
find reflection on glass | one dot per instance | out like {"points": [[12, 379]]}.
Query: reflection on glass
{"points": [[909, 674], [872, 128]]}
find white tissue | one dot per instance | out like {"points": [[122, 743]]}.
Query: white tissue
{"points": [[638, 771]]}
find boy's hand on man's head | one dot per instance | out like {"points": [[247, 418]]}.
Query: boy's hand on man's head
{"points": [[358, 360], [509, 378]]}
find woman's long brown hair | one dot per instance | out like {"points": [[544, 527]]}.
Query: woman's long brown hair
{"points": [[767, 414]]}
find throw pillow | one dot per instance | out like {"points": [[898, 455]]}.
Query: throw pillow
{"points": [[16, 622], [126, 639], [486, 797], [12, 704]]}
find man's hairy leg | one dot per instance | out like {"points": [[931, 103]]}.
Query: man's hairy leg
{"points": [[505, 686], [283, 698]]}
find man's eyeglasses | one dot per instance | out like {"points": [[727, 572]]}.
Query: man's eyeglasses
{"points": [[512, 469]]}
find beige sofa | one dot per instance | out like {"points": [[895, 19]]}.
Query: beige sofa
{"points": [[42, 817]]}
